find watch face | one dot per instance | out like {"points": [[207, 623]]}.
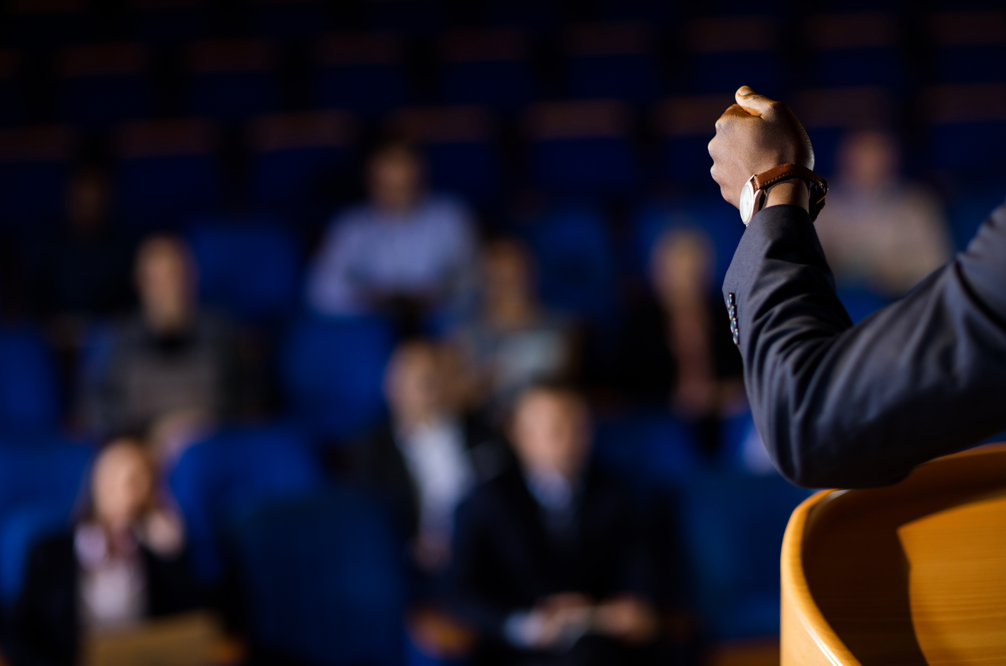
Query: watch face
{"points": [[747, 202]]}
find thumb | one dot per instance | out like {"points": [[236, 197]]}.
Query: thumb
{"points": [[752, 102]]}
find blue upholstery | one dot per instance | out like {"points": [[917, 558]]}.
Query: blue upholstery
{"points": [[295, 179], [716, 73], [216, 481], [158, 191], [979, 63], [468, 168], [633, 78], [860, 302], [20, 529], [590, 165], [323, 581], [41, 30], [168, 24], [29, 394], [970, 208], [410, 17], [36, 469], [289, 20], [732, 530], [97, 102], [534, 15], [31, 192], [969, 149], [506, 85], [686, 161], [233, 96], [249, 269], [10, 102], [649, 447], [881, 66], [332, 370], [365, 88]]}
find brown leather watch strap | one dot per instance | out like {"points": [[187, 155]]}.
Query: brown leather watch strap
{"points": [[818, 186]]}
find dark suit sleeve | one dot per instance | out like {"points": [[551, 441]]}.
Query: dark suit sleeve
{"points": [[846, 406]]}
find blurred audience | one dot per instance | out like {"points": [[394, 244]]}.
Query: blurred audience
{"points": [[427, 456], [878, 230], [403, 251], [123, 562], [677, 350], [83, 272], [172, 358], [550, 565], [512, 341]]}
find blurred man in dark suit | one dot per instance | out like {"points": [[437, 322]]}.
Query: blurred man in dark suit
{"points": [[839, 405]]}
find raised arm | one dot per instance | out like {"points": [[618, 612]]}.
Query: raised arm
{"points": [[839, 405]]}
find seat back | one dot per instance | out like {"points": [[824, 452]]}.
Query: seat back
{"points": [[716, 45], [909, 573], [232, 81], [34, 169], [856, 49], [103, 85], [611, 61], [10, 96], [29, 392], [487, 68], [362, 73]]}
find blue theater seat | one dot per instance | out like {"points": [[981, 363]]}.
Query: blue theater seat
{"points": [[575, 262], [297, 158], [611, 61], [971, 206], [166, 172], [166, 22], [101, 86], [323, 582], [232, 81], [20, 530], [363, 73], [732, 529], [685, 126], [34, 168], [217, 481], [408, 17], [458, 143], [651, 12], [29, 391], [488, 68], [332, 370], [856, 49], [648, 447], [715, 46], [248, 268], [10, 97], [533, 15], [970, 46], [288, 20], [967, 129], [44, 26], [581, 148]]}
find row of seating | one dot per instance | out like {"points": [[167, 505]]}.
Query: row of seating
{"points": [[257, 505]]}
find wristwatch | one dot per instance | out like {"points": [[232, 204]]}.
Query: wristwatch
{"points": [[755, 191]]}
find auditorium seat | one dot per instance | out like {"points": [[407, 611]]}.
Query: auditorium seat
{"points": [[538, 16], [575, 263], [11, 109], [407, 17], [716, 46], [861, 302], [232, 81], [458, 143], [45, 25], [20, 529], [970, 46], [165, 172], [166, 22], [856, 49], [967, 129], [34, 169], [289, 20], [651, 12], [651, 448], [733, 526], [488, 68], [29, 391], [971, 205], [218, 480], [363, 73], [581, 148], [249, 268], [298, 159], [332, 370], [323, 581], [685, 125], [103, 85], [611, 61]]}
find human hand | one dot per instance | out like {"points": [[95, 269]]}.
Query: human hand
{"points": [[627, 618], [564, 618], [752, 136]]}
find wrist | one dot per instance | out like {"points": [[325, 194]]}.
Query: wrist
{"points": [[792, 192]]}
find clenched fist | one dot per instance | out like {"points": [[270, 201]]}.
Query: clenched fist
{"points": [[752, 136]]}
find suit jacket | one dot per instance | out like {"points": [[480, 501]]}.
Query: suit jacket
{"points": [[506, 558], [858, 406], [45, 621]]}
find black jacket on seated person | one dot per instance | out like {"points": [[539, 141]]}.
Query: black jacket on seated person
{"points": [[508, 556], [45, 627], [855, 406]]}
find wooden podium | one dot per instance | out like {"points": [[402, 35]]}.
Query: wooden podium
{"points": [[909, 574]]}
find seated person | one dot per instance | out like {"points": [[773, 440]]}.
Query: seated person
{"points": [[426, 457], [877, 230], [549, 561], [513, 341], [172, 358], [404, 251], [123, 562]]}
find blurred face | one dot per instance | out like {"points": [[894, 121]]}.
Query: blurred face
{"points": [[122, 485], [507, 272], [87, 199], [869, 159], [414, 386], [164, 281], [550, 432], [682, 265], [395, 178]]}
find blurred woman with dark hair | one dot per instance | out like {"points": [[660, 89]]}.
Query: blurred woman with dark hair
{"points": [[122, 563]]}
